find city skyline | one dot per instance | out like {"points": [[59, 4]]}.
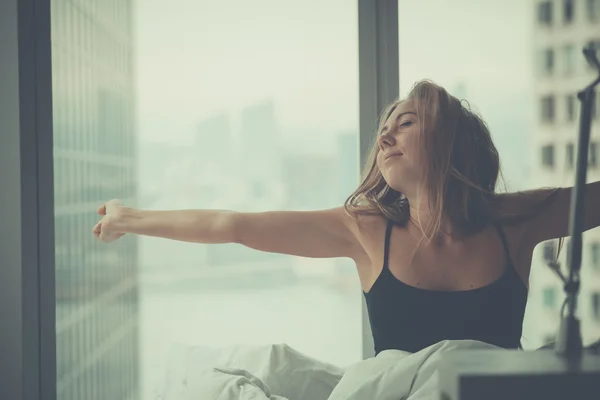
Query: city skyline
{"points": [[310, 74]]}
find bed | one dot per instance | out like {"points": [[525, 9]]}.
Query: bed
{"points": [[279, 372]]}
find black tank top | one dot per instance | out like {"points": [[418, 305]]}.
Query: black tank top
{"points": [[408, 318]]}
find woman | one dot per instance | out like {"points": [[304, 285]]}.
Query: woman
{"points": [[439, 254]]}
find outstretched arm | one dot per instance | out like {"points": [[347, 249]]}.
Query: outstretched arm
{"points": [[317, 234], [551, 221]]}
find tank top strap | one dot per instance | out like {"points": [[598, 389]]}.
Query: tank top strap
{"points": [[386, 249], [504, 243]]}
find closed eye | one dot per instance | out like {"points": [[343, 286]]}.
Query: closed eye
{"points": [[405, 124]]}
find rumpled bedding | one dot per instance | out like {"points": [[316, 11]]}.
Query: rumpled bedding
{"points": [[279, 372]]}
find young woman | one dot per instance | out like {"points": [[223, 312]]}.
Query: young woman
{"points": [[440, 255]]}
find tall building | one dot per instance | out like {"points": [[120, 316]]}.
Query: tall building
{"points": [[562, 28], [94, 160], [310, 180], [214, 141], [259, 143]]}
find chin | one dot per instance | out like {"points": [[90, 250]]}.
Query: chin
{"points": [[395, 185], [393, 180]]}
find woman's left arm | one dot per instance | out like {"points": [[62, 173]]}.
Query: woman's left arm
{"points": [[551, 220]]}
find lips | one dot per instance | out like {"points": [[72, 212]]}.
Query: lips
{"points": [[395, 154]]}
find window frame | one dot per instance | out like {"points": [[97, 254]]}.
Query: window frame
{"points": [[593, 157], [595, 250], [565, 7], [548, 109], [570, 156], [548, 156], [571, 107], [545, 11], [595, 305], [379, 84], [26, 154], [547, 61]]}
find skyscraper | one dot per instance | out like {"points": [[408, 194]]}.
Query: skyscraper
{"points": [[562, 29], [214, 140], [94, 160], [259, 137]]}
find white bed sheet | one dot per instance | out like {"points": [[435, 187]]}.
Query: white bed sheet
{"points": [[278, 372]]}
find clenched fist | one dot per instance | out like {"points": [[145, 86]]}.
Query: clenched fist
{"points": [[107, 229]]}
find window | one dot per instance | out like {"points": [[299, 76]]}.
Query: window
{"points": [[596, 305], [570, 155], [545, 13], [549, 338], [549, 252], [547, 61], [547, 107], [569, 59], [568, 8], [595, 248], [549, 297], [218, 122], [593, 10], [548, 156], [570, 105], [593, 156]]}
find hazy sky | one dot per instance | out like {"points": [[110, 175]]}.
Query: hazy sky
{"points": [[198, 57]]}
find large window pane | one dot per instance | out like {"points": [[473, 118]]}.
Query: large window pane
{"points": [[96, 286], [506, 75], [247, 106]]}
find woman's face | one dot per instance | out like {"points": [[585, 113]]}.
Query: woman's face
{"points": [[399, 157]]}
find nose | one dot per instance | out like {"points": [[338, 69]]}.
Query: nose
{"points": [[386, 140]]}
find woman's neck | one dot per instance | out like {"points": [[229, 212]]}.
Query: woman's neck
{"points": [[422, 218]]}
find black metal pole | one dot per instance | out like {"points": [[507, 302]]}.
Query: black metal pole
{"points": [[568, 340]]}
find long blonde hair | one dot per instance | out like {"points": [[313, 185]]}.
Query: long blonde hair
{"points": [[460, 173]]}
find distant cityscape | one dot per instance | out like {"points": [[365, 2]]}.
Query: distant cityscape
{"points": [[247, 170]]}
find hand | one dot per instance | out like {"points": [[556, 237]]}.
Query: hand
{"points": [[107, 229]]}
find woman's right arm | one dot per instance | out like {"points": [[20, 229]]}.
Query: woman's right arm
{"points": [[316, 234]]}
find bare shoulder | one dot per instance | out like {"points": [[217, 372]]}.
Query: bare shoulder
{"points": [[370, 228], [370, 232], [364, 231]]}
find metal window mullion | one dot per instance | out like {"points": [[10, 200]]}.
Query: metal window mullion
{"points": [[378, 85], [27, 362]]}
